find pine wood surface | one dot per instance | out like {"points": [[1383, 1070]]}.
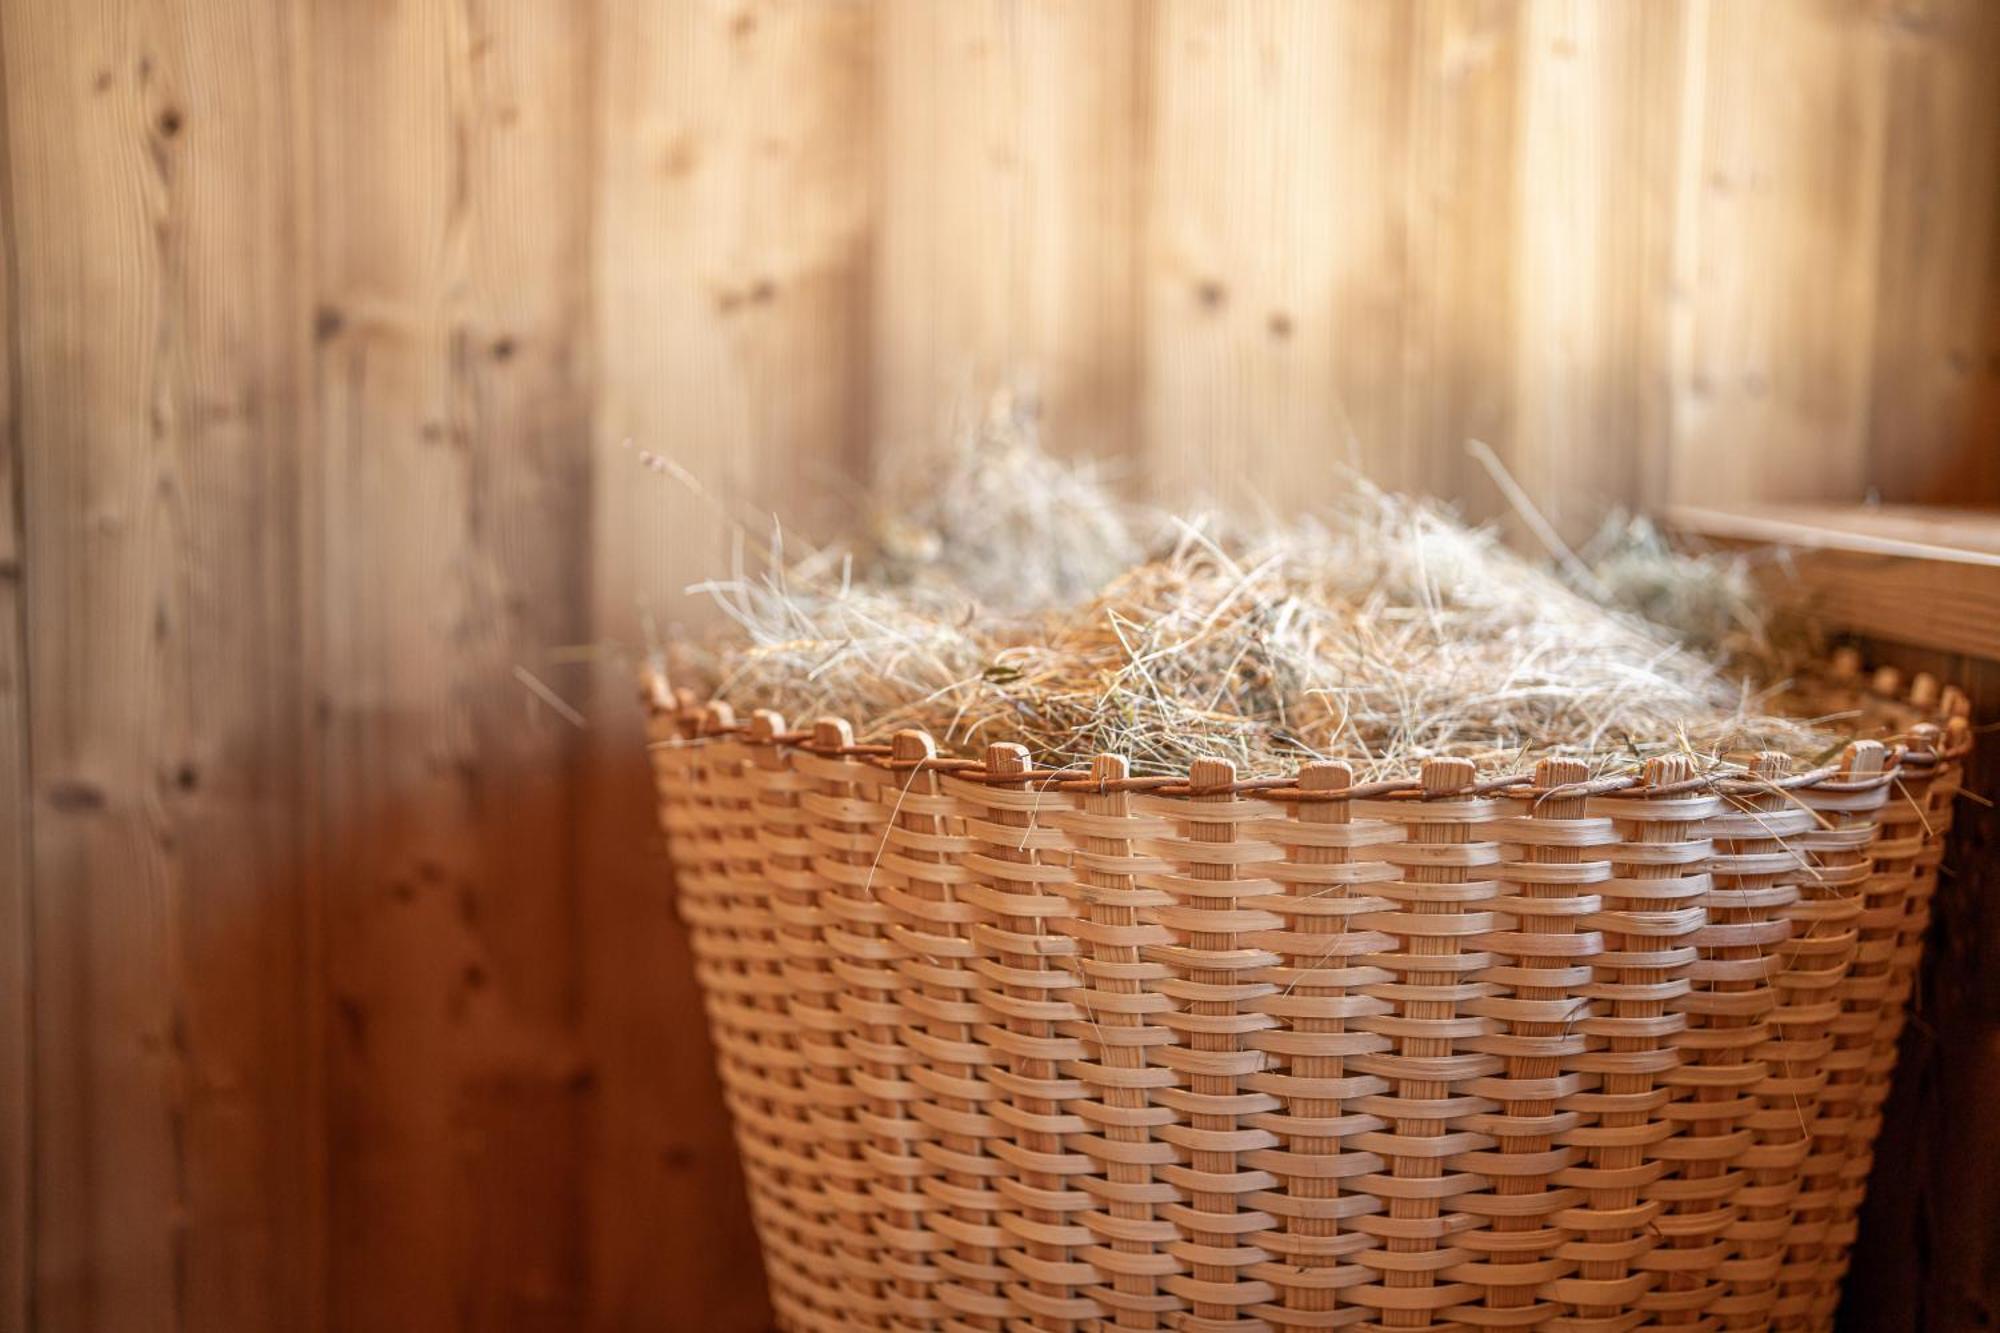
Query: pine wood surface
{"points": [[339, 987]]}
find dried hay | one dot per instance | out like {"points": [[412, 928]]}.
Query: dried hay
{"points": [[1012, 604], [1004, 524], [1709, 599]]}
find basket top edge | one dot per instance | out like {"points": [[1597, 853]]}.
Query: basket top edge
{"points": [[1943, 735]]}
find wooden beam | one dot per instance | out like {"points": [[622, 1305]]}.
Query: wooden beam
{"points": [[1919, 532], [1915, 575]]}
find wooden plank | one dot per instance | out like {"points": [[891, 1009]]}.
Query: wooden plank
{"points": [[1598, 171], [1333, 236], [16, 814], [452, 225], [157, 339], [1923, 532], [1274, 282], [1935, 390], [1464, 208], [1779, 229], [1910, 576], [1004, 241], [1908, 601], [733, 271]]}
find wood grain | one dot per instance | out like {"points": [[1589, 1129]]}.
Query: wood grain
{"points": [[1008, 136], [1274, 253], [451, 222], [1598, 167], [1464, 217], [151, 154], [734, 205], [1375, 232], [1934, 407], [16, 813], [1922, 577], [1780, 232]]}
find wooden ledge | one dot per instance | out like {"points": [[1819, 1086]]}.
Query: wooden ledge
{"points": [[1912, 573]]}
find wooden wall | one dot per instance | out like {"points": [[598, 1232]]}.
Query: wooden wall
{"points": [[338, 985]]}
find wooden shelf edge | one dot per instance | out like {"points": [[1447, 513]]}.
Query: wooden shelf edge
{"points": [[1917, 532], [1930, 578]]}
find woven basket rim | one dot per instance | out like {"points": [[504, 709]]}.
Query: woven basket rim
{"points": [[1924, 745]]}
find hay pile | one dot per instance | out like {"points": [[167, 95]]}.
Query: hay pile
{"points": [[1013, 602], [1709, 600], [1004, 524]]}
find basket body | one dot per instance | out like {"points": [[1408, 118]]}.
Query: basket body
{"points": [[1009, 1054]]}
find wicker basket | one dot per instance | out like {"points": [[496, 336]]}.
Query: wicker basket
{"points": [[1012, 1049]]}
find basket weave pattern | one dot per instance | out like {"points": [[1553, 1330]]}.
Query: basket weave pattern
{"points": [[1006, 1051]]}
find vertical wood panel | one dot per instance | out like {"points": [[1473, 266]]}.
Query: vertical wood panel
{"points": [[1934, 423], [1008, 132], [1464, 200], [452, 206], [1599, 139], [16, 814], [1274, 261], [733, 289], [1783, 179], [157, 335], [1331, 253]]}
